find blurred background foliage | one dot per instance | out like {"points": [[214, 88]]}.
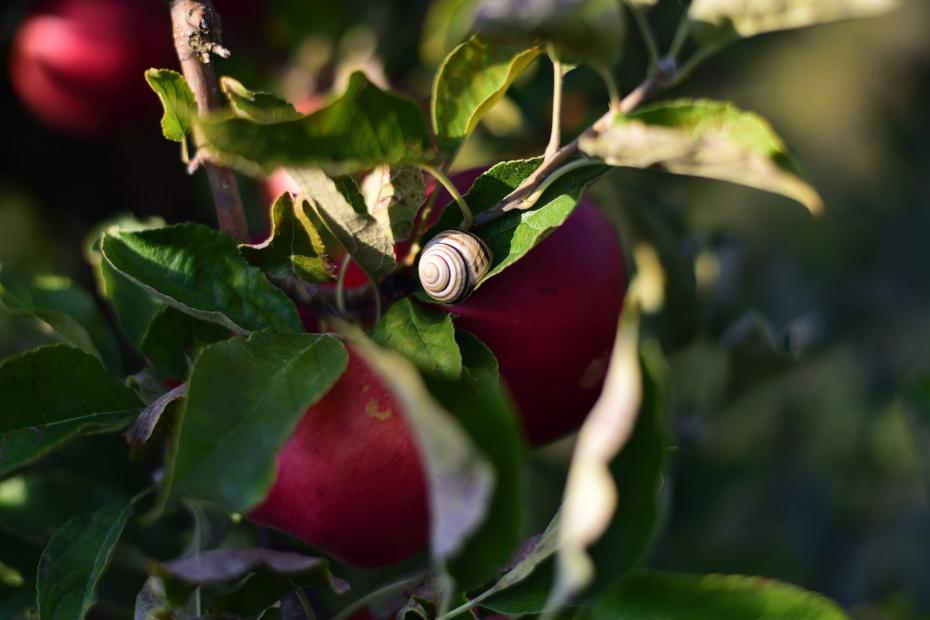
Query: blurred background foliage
{"points": [[793, 342]]}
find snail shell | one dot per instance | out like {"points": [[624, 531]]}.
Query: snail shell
{"points": [[451, 264]]}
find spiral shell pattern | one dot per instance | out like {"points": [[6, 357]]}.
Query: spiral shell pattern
{"points": [[451, 264]]}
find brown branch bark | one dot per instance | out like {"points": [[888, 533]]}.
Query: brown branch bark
{"points": [[196, 29]]}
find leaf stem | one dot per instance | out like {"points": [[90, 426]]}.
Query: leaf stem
{"points": [[555, 135], [533, 198], [196, 29], [649, 37], [681, 36], [390, 588], [613, 91], [341, 285], [697, 59], [304, 601], [443, 180]]}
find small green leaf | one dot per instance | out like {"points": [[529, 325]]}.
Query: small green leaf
{"points": [[294, 249], [257, 106], [447, 22], [178, 102], [423, 335], [394, 197], [64, 307], [339, 204], [361, 129], [173, 339], [473, 77], [200, 272], [53, 394], [705, 139], [74, 560], [751, 17], [460, 480], [651, 595], [589, 31], [512, 235], [227, 439]]}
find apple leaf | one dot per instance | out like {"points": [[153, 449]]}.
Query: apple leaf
{"points": [[339, 204], [515, 233], [751, 17], [705, 139], [650, 595], [362, 128], [423, 335], [52, 395], [294, 249], [65, 308], [173, 339], [227, 439], [589, 31], [472, 78], [177, 99], [394, 197], [257, 106], [447, 22], [74, 560], [460, 479], [199, 271], [143, 426]]}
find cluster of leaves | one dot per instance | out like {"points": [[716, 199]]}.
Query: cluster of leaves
{"points": [[206, 313]]}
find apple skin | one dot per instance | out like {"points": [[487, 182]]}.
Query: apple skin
{"points": [[78, 65], [551, 320], [350, 479]]}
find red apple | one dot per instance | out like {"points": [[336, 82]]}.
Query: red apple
{"points": [[349, 479], [551, 319], [78, 64]]}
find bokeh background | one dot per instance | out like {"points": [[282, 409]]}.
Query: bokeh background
{"points": [[795, 344]]}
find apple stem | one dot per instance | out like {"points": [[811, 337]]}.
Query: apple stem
{"points": [[196, 30], [555, 136]]}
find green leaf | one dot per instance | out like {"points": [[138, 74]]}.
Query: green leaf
{"points": [[423, 335], [74, 560], [173, 339], [460, 480], [750, 17], [668, 596], [361, 129], [339, 204], [512, 235], [63, 307], [589, 31], [134, 307], [394, 197], [53, 394], [485, 412], [177, 99], [257, 106], [447, 22], [227, 439], [473, 77], [294, 249], [200, 272], [706, 139]]}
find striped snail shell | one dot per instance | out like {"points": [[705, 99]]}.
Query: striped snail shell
{"points": [[451, 264]]}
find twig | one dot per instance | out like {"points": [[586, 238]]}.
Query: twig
{"points": [[196, 29], [555, 135]]}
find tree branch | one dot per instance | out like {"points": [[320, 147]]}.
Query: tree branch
{"points": [[196, 30]]}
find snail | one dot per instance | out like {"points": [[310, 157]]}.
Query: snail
{"points": [[451, 264]]}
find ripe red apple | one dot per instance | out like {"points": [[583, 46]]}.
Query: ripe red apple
{"points": [[78, 64], [349, 479], [551, 319]]}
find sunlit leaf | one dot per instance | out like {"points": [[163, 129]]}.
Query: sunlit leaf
{"points": [[473, 77], [227, 439], [341, 207], [447, 22], [394, 197], [706, 139], [74, 560], [199, 271], [53, 394], [294, 248], [361, 129], [257, 106], [670, 596], [178, 102]]}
